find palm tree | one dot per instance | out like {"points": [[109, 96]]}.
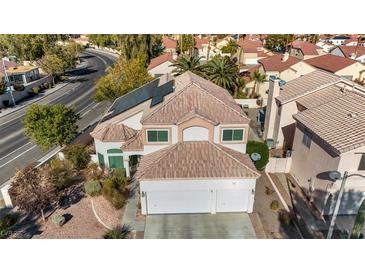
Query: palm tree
{"points": [[223, 72], [259, 79], [188, 63]]}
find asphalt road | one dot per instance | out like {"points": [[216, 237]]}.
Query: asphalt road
{"points": [[17, 150]]}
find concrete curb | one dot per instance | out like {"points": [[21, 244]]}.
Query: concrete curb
{"points": [[97, 217]]}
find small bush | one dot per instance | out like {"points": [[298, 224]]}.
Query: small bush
{"points": [[262, 149], [35, 90], [46, 85], [284, 218], [94, 172], [58, 220], [78, 155], [60, 173], [18, 87], [112, 193], [118, 233], [6, 223], [274, 205], [93, 188]]}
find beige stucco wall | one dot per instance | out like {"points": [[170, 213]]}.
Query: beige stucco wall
{"points": [[357, 71]]}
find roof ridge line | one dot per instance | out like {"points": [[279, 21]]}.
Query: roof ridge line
{"points": [[242, 164]]}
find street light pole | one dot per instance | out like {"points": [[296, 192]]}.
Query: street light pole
{"points": [[7, 82], [337, 206], [338, 202]]}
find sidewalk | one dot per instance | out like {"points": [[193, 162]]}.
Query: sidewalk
{"points": [[309, 219]]}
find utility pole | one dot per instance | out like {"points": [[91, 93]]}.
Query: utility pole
{"points": [[8, 82]]}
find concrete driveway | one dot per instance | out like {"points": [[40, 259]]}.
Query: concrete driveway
{"points": [[199, 226]]}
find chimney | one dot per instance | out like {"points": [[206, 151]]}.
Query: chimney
{"points": [[271, 108], [285, 57]]}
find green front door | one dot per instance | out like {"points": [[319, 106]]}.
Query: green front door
{"points": [[101, 159], [116, 162]]}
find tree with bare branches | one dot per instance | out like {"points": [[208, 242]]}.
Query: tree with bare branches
{"points": [[31, 192]]}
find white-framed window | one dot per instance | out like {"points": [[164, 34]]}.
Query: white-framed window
{"points": [[157, 135], [233, 134], [306, 139]]}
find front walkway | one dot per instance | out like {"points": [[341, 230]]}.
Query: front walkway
{"points": [[199, 226]]}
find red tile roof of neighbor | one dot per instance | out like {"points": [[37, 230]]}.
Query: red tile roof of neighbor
{"points": [[349, 50], [276, 63], [169, 43], [247, 75], [160, 60], [329, 62], [199, 42], [306, 47], [8, 64], [249, 44]]}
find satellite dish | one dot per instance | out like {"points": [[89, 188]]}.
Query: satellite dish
{"points": [[255, 156], [334, 175]]}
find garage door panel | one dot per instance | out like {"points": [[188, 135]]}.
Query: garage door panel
{"points": [[232, 200], [196, 201]]}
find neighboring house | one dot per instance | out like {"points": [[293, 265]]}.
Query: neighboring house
{"points": [[339, 40], [341, 66], [353, 52], [83, 40], [330, 136], [305, 50], [191, 137], [282, 105], [23, 74], [351, 42], [161, 65], [203, 47], [250, 50], [284, 67], [8, 64], [326, 47], [169, 45]]}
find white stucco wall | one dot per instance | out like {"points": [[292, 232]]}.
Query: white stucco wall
{"points": [[102, 147], [211, 185], [134, 121], [356, 71], [196, 134], [161, 69]]}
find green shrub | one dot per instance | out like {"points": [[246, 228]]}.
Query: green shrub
{"points": [[58, 220], [113, 192], [93, 188], [78, 155], [284, 218], [46, 85], [118, 233], [18, 87], [35, 90], [60, 173], [262, 149], [6, 223], [274, 205]]}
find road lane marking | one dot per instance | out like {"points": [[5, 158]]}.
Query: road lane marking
{"points": [[2, 158], [21, 154]]}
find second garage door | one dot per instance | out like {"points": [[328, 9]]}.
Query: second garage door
{"points": [[183, 201], [232, 200]]}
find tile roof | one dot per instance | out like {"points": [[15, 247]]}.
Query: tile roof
{"points": [[349, 50], [8, 64], [193, 92], [195, 160], [167, 57], [135, 143], [169, 43], [340, 123], [108, 132], [306, 84], [306, 47], [276, 63], [199, 42], [250, 44], [322, 96], [329, 62]]}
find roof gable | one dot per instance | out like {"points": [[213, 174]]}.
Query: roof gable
{"points": [[329, 62]]}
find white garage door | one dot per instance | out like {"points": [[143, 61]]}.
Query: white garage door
{"points": [[188, 201], [232, 200]]}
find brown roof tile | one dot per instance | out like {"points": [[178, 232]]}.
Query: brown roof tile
{"points": [[160, 60], [276, 63], [306, 47], [340, 123], [195, 160], [135, 143], [169, 43], [108, 132], [329, 62], [349, 50], [196, 93]]}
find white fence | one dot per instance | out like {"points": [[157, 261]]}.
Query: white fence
{"points": [[281, 165]]}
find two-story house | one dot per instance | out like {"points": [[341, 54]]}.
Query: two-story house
{"points": [[190, 136]]}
